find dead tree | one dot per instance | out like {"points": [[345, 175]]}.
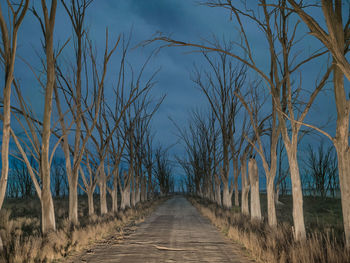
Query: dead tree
{"points": [[72, 92], [90, 182], [163, 171], [276, 25], [336, 38], [41, 147], [72, 89], [253, 102], [8, 57], [219, 86]]}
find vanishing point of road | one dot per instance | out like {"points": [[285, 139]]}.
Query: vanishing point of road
{"points": [[175, 232]]}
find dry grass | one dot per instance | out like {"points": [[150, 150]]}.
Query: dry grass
{"points": [[268, 244], [23, 241]]}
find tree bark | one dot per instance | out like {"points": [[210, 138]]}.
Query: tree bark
{"points": [[103, 189], [298, 213], [125, 195], [217, 190], [271, 204], [235, 177], [91, 202], [47, 209], [73, 199], [341, 143], [245, 188], [255, 209], [226, 196]]}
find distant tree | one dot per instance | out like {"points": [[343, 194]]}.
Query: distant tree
{"points": [[163, 171], [219, 84], [58, 176], [321, 168]]}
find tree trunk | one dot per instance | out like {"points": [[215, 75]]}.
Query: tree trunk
{"points": [[143, 189], [137, 192], [245, 189], [255, 209], [217, 190], [125, 202], [226, 196], [73, 199], [298, 213], [9, 56], [47, 210], [114, 195], [103, 191], [235, 178], [341, 143], [149, 185], [271, 208], [344, 179], [5, 139], [90, 195]]}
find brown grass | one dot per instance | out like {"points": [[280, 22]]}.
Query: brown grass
{"points": [[23, 241], [268, 244]]}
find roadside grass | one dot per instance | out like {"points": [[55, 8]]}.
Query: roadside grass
{"points": [[324, 242], [23, 241]]}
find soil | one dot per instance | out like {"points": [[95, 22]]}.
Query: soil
{"points": [[175, 232]]}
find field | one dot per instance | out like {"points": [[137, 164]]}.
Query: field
{"points": [[323, 219]]}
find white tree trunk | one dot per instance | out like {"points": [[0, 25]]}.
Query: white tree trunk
{"points": [[47, 208], [73, 199], [255, 210], [103, 191], [245, 189], [125, 195], [226, 196], [271, 208], [298, 213], [344, 179]]}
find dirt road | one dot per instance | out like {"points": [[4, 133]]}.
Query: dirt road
{"points": [[175, 232]]}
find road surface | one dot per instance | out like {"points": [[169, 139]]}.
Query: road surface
{"points": [[175, 232]]}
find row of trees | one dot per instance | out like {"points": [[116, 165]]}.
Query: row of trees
{"points": [[103, 130], [271, 99]]}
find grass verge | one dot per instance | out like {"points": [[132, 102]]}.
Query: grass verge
{"points": [[23, 241], [268, 244]]}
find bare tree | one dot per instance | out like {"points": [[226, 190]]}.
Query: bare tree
{"points": [[253, 104], [336, 38], [48, 213], [73, 95], [42, 149], [90, 182], [276, 24], [58, 176], [321, 168], [8, 56], [219, 86], [72, 89], [163, 171], [21, 177]]}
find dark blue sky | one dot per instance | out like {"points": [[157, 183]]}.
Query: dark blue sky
{"points": [[182, 19]]}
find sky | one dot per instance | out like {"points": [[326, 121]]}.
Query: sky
{"points": [[185, 20]]}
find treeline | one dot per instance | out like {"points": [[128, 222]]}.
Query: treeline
{"points": [[259, 106], [94, 130]]}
